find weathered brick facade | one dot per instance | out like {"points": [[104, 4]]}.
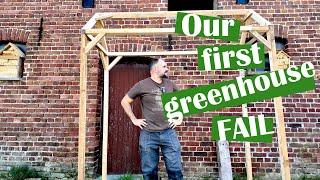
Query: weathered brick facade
{"points": [[39, 114]]}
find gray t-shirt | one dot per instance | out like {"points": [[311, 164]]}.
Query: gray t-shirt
{"points": [[150, 92]]}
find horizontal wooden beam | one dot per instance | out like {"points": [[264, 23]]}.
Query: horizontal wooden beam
{"points": [[171, 14], [131, 31], [158, 31], [102, 16], [155, 53]]}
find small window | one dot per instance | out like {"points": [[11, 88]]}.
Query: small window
{"points": [[179, 5], [11, 60], [266, 65], [242, 1], [21, 46], [87, 3]]}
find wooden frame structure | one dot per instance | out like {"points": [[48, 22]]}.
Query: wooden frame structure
{"points": [[94, 34]]}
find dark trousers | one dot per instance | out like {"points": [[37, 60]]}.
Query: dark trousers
{"points": [[149, 145]]}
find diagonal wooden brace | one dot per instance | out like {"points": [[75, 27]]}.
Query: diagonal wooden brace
{"points": [[94, 42], [103, 49], [261, 39]]}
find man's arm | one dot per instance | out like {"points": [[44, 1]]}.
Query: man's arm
{"points": [[125, 102], [175, 122]]}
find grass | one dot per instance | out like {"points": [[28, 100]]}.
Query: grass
{"points": [[239, 177], [126, 177], [21, 173], [305, 177], [244, 177]]}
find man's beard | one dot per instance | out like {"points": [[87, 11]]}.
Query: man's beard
{"points": [[164, 76]]}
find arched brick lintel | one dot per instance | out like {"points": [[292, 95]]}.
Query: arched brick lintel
{"points": [[14, 34], [281, 31]]}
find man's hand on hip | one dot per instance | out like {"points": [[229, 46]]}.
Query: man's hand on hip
{"points": [[174, 122], [140, 123]]}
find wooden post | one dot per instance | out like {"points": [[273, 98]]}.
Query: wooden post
{"points": [[247, 147], [105, 136], [105, 121], [245, 114], [281, 131], [105, 63], [82, 109]]}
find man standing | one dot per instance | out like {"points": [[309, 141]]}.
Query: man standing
{"points": [[156, 131]]}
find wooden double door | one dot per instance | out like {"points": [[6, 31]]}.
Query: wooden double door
{"points": [[123, 141]]}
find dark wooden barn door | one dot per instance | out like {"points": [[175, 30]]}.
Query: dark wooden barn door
{"points": [[123, 141]]}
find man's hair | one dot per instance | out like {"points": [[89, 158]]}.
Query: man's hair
{"points": [[152, 63]]}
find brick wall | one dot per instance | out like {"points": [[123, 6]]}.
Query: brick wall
{"points": [[39, 114]]}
